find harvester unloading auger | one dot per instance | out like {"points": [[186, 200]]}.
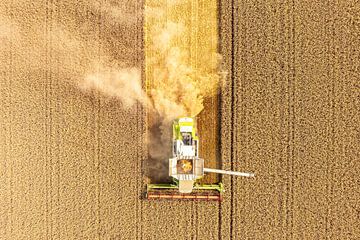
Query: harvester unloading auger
{"points": [[185, 168]]}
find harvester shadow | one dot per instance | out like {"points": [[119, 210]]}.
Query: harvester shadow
{"points": [[159, 150]]}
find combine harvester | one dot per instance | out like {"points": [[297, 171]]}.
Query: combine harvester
{"points": [[186, 168]]}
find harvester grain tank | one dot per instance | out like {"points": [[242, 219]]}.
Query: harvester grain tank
{"points": [[186, 168]]}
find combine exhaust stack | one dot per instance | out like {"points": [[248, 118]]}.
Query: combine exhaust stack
{"points": [[186, 168]]}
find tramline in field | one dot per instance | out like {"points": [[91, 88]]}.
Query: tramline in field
{"points": [[186, 168]]}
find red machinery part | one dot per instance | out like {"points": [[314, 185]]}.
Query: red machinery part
{"points": [[156, 195]]}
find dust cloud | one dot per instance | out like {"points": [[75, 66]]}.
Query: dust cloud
{"points": [[121, 83], [175, 86], [178, 88]]}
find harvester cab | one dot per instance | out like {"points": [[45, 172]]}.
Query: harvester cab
{"points": [[185, 139], [185, 168]]}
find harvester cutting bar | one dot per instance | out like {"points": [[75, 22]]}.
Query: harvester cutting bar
{"points": [[178, 196], [163, 186], [229, 172]]}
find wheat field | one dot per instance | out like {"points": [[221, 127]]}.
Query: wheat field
{"points": [[74, 159]]}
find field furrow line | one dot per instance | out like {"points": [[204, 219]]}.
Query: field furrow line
{"points": [[331, 132], [225, 108], [98, 122], [48, 116], [98, 145], [233, 112]]}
